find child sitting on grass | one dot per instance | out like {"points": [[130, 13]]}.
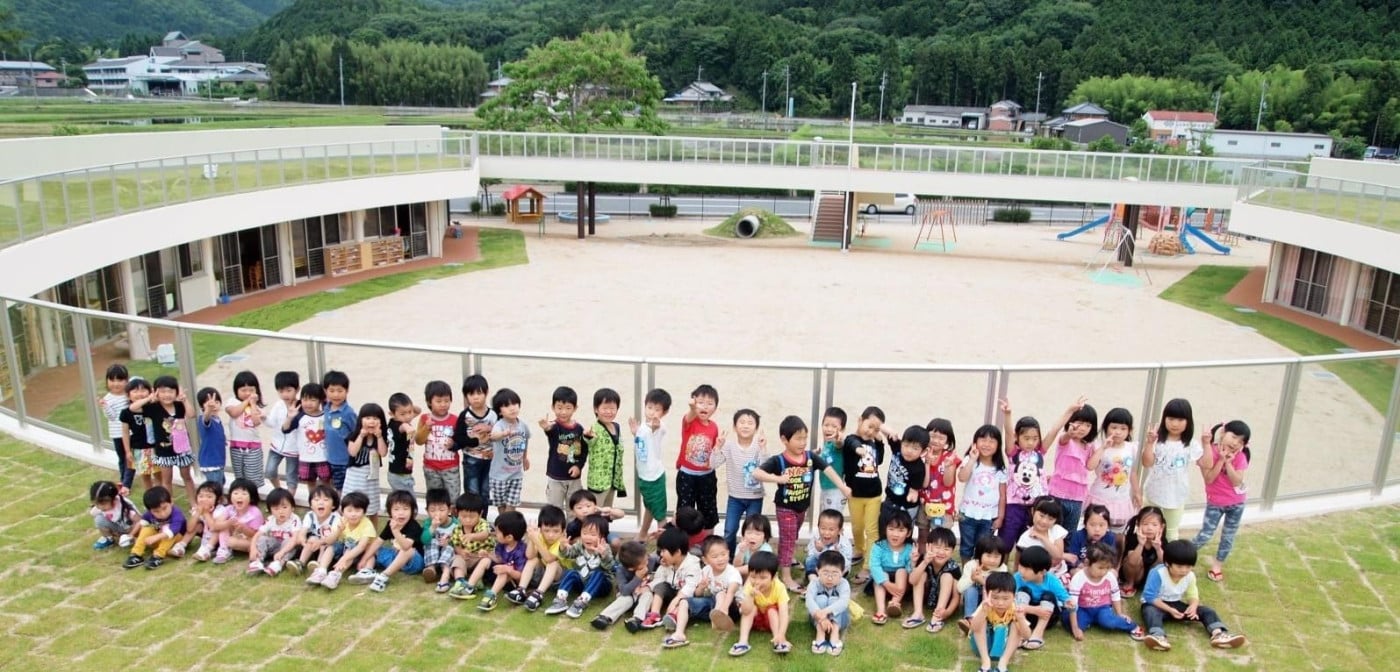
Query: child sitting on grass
{"points": [[634, 567], [472, 541], [592, 561], [161, 525], [756, 533], [320, 528], [399, 546], [1171, 593], [276, 539], [935, 581], [542, 545], [678, 568], [437, 539], [356, 535], [988, 557], [829, 603], [113, 514], [891, 563], [830, 536], [998, 626], [711, 597], [1094, 596], [763, 605], [508, 558], [1039, 593]]}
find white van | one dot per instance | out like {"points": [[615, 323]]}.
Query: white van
{"points": [[901, 203]]}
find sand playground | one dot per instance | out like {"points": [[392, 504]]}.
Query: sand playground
{"points": [[1003, 295]]}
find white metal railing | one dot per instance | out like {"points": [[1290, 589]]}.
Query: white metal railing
{"points": [[1282, 470], [1365, 203]]}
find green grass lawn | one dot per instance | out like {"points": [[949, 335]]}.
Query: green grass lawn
{"points": [[1369, 210], [1311, 594], [1205, 288], [499, 247]]}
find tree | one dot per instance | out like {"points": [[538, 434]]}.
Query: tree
{"points": [[10, 34], [577, 85], [1104, 144]]}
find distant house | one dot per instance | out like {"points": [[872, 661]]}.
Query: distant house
{"points": [[1171, 127], [1004, 115], [495, 87], [49, 79], [1080, 112], [176, 67], [19, 73], [1266, 144], [1085, 131], [699, 94], [944, 116]]}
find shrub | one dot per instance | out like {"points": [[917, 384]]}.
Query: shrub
{"points": [[659, 210], [476, 206], [498, 209], [1011, 215]]}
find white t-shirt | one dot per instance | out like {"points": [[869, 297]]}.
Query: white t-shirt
{"points": [[280, 531], [320, 529], [1057, 533], [718, 583], [112, 407], [650, 465], [1168, 481], [273, 418], [982, 495], [242, 427]]}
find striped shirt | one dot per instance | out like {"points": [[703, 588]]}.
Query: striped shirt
{"points": [[112, 407]]}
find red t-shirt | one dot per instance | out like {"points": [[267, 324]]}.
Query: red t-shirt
{"points": [[936, 497], [438, 453], [698, 439]]}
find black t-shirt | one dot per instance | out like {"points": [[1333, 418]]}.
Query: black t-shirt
{"points": [[398, 448], [368, 446], [411, 529], [138, 428], [162, 424], [905, 476], [566, 449], [863, 473], [796, 493]]}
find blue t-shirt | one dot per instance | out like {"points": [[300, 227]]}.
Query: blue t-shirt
{"points": [[1078, 544], [213, 444], [340, 422], [1028, 593]]}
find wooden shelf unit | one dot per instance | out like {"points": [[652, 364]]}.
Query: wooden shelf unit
{"points": [[363, 255]]}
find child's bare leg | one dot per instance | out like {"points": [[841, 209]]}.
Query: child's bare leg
{"points": [[897, 591], [823, 631], [187, 476], [834, 635], [167, 477], [1013, 642], [919, 582], [479, 573], [458, 568], [787, 579], [530, 566], [979, 636], [502, 580], [240, 544], [551, 572], [948, 598], [1043, 622], [327, 554], [747, 612], [779, 622], [646, 525], [682, 616], [880, 598]]}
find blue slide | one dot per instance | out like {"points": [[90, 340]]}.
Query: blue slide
{"points": [[1189, 229], [1074, 232]]}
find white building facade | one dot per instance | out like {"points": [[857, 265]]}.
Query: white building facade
{"points": [[1266, 144]]}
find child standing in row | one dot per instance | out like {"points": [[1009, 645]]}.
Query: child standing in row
{"points": [[213, 444], [984, 499], [1112, 465], [366, 449], [743, 452], [793, 471], [1075, 443], [472, 435], [563, 465], [1168, 454], [604, 443], [509, 460], [1026, 476], [307, 431], [167, 412], [399, 442], [245, 416], [863, 452], [282, 452], [833, 427], [112, 405], [1223, 469], [696, 484], [340, 422], [436, 433], [648, 437], [907, 473], [937, 499], [138, 434]]}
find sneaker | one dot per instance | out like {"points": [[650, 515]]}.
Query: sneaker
{"points": [[600, 622], [534, 601], [633, 625], [1225, 639], [362, 577], [203, 554], [316, 577], [274, 568], [652, 621], [125, 541], [154, 562], [1157, 643], [222, 556], [178, 550], [488, 602], [576, 609], [430, 574], [669, 622], [132, 562], [558, 606], [295, 567], [255, 568], [380, 583], [515, 596], [460, 590], [103, 544], [311, 566], [332, 580], [1138, 634]]}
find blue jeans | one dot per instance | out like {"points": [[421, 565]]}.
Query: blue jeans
{"points": [[385, 556], [476, 473], [596, 585], [123, 469], [1071, 509], [734, 515], [972, 598], [1232, 515], [212, 476], [971, 529], [1104, 617], [338, 476]]}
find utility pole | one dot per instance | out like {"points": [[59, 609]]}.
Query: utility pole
{"points": [[699, 73], [763, 107], [341, 61], [33, 88], [1217, 106], [852, 137], [880, 117], [787, 92], [1039, 80], [1259, 118]]}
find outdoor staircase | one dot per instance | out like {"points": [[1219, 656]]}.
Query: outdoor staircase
{"points": [[828, 224]]}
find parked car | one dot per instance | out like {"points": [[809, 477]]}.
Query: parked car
{"points": [[904, 203]]}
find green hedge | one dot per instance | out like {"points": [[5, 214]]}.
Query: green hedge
{"points": [[1011, 215], [658, 210]]}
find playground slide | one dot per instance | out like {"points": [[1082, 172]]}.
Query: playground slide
{"points": [[1074, 232], [1189, 230]]}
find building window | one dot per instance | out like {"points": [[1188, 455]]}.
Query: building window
{"points": [[1319, 147], [1232, 143], [1276, 144], [1383, 308], [1310, 283], [189, 259]]}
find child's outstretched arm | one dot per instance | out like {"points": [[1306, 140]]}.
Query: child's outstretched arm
{"points": [[1064, 418], [1007, 427], [831, 474]]}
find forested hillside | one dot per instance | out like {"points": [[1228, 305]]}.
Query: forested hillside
{"points": [[109, 20]]}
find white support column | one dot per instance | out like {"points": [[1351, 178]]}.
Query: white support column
{"points": [[49, 331], [137, 338], [1271, 275], [1349, 295], [436, 212], [286, 254], [206, 262], [357, 225]]}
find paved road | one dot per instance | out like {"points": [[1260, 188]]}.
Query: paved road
{"points": [[722, 206]]}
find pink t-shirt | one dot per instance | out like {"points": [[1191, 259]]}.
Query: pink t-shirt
{"points": [[1071, 478], [1088, 594], [252, 516], [1221, 492]]}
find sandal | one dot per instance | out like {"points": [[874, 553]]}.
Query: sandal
{"points": [[835, 648], [739, 650], [1033, 644], [1216, 575], [935, 626], [819, 647], [782, 648], [878, 618], [1127, 591], [913, 622], [673, 643]]}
